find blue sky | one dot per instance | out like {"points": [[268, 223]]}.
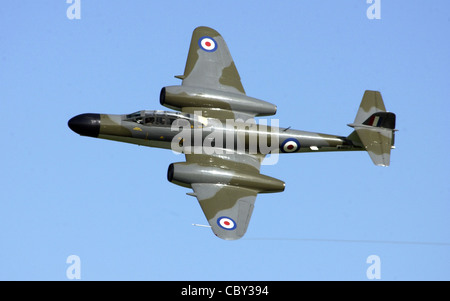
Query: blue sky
{"points": [[110, 203]]}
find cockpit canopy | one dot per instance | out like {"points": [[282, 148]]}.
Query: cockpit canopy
{"points": [[159, 118]]}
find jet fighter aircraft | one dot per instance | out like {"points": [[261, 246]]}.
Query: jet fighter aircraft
{"points": [[214, 126]]}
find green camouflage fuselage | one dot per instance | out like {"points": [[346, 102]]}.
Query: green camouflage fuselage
{"points": [[177, 131]]}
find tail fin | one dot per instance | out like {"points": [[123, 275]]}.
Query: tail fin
{"points": [[375, 128]]}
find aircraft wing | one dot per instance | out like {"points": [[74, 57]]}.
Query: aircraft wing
{"points": [[211, 83], [227, 208], [209, 63], [226, 186]]}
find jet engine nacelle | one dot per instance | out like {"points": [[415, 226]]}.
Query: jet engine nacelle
{"points": [[185, 174], [178, 97]]}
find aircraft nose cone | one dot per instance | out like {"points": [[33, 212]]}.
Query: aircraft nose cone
{"points": [[85, 124]]}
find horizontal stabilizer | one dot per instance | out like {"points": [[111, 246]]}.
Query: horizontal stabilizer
{"points": [[377, 142]]}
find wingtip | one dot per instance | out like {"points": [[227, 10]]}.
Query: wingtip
{"points": [[205, 30]]}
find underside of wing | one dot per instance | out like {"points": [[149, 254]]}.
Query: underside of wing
{"points": [[209, 63], [226, 186], [211, 83], [227, 208]]}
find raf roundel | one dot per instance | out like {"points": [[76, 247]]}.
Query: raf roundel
{"points": [[290, 145], [207, 43], [226, 223]]}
